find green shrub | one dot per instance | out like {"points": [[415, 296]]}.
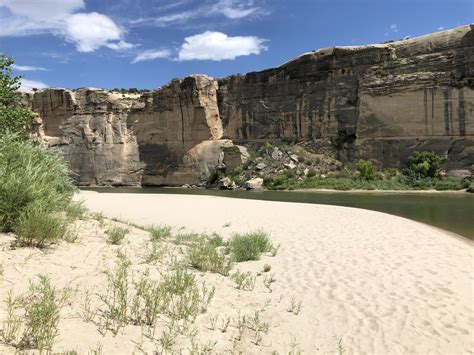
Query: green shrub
{"points": [[290, 174], [471, 187], [423, 164], [366, 170], [38, 227], [311, 172], [249, 246], [115, 235], [390, 173], [471, 169], [451, 183], [30, 174]]}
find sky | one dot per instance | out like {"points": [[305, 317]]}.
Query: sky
{"points": [[146, 43]]}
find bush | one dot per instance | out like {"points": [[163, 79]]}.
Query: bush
{"points": [[423, 164], [30, 177], [249, 246], [311, 172], [37, 227], [115, 235], [451, 183], [471, 187], [366, 170], [290, 174]]}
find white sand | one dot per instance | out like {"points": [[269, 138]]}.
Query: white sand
{"points": [[376, 283]]}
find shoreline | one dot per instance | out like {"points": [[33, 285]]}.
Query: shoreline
{"points": [[430, 191]]}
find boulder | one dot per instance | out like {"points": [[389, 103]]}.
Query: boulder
{"points": [[260, 166], [294, 157], [254, 184], [226, 183], [277, 154], [235, 156]]}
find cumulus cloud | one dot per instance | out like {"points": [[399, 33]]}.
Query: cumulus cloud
{"points": [[26, 68], [88, 31], [218, 46], [29, 85], [152, 54]]}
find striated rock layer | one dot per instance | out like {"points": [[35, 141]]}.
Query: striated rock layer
{"points": [[379, 102]]}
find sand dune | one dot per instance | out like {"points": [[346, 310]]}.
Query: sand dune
{"points": [[368, 282]]}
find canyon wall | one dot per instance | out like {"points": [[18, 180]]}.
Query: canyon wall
{"points": [[379, 102]]}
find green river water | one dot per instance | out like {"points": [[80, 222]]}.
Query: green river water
{"points": [[450, 211]]}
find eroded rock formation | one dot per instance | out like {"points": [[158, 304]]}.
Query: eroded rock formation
{"points": [[379, 102]]}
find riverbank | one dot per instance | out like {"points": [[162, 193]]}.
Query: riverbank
{"points": [[451, 211], [378, 283]]}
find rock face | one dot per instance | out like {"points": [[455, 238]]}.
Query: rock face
{"points": [[379, 102], [89, 126]]}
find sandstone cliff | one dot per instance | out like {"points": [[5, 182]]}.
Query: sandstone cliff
{"points": [[379, 102]]}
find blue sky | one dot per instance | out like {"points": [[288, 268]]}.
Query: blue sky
{"points": [[146, 43]]}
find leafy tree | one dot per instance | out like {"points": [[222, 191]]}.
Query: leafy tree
{"points": [[366, 170], [14, 117], [424, 164]]}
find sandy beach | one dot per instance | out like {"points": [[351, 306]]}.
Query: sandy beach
{"points": [[368, 282]]}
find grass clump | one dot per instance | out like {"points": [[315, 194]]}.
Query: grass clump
{"points": [[115, 235], [249, 246], [158, 233], [244, 280], [38, 227], [32, 319], [116, 300], [205, 257], [42, 306]]}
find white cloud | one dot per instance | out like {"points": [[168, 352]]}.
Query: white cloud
{"points": [[231, 9], [88, 31], [151, 55], [218, 46], [29, 85], [394, 27], [43, 10], [440, 28], [26, 67]]}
